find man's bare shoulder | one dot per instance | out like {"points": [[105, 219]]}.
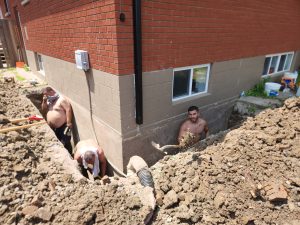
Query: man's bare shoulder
{"points": [[185, 123], [202, 122], [64, 100]]}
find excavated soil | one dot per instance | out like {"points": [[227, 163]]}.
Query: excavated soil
{"points": [[229, 182], [225, 180], [36, 190]]}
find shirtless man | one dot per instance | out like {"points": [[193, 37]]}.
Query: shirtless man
{"points": [[58, 112], [88, 154], [194, 127]]}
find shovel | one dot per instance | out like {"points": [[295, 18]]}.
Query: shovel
{"points": [[30, 118], [157, 146], [21, 127], [90, 176], [5, 120]]}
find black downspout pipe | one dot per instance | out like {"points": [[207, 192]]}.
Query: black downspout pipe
{"points": [[138, 71]]}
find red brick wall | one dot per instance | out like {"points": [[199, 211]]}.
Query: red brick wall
{"points": [[190, 32], [57, 28], [175, 33]]}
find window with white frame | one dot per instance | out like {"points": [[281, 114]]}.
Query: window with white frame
{"points": [[7, 7], [40, 63], [277, 63], [190, 81]]}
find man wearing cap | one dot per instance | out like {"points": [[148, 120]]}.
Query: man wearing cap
{"points": [[58, 111], [89, 155]]}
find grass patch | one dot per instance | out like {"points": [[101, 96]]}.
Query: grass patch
{"points": [[26, 68], [11, 69], [20, 78]]}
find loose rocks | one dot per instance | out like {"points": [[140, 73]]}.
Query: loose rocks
{"points": [[245, 176]]}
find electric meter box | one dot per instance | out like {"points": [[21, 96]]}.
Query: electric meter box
{"points": [[82, 59]]}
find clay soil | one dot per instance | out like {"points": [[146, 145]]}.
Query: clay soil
{"points": [[225, 180], [230, 181], [34, 189]]}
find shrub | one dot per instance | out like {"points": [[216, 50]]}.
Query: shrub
{"points": [[259, 89]]}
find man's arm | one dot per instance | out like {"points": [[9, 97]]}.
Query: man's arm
{"points": [[102, 161], [181, 132], [77, 156], [69, 113], [206, 131], [44, 105]]}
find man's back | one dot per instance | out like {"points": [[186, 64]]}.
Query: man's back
{"points": [[86, 144]]}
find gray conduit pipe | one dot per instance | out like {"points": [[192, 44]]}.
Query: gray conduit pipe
{"points": [[145, 178]]}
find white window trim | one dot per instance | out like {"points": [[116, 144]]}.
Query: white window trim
{"points": [[41, 71], [7, 4], [278, 61], [191, 80]]}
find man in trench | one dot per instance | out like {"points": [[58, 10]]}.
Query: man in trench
{"points": [[58, 111], [192, 129], [91, 157]]}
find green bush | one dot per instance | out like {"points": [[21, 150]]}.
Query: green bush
{"points": [[259, 89], [26, 68]]}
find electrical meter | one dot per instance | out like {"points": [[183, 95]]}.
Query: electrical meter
{"points": [[82, 60]]}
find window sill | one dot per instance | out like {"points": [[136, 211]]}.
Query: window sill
{"points": [[189, 98], [274, 74]]}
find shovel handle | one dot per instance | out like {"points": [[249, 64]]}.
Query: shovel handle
{"points": [[18, 120], [21, 127], [31, 118]]}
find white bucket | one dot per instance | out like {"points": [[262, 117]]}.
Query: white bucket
{"points": [[291, 75], [271, 86]]}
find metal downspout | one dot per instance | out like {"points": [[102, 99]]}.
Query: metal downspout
{"points": [[138, 71]]}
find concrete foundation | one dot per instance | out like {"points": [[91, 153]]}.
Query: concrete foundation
{"points": [[104, 104]]}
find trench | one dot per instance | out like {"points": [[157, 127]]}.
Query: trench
{"points": [[112, 191], [36, 97], [234, 121], [46, 173]]}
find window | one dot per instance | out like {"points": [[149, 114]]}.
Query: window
{"points": [[277, 63], [189, 81], [7, 10], [40, 63]]}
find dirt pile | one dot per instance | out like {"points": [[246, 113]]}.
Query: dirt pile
{"points": [[250, 175], [34, 189]]}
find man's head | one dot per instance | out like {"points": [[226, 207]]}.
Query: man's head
{"points": [[193, 113], [89, 157], [48, 91]]}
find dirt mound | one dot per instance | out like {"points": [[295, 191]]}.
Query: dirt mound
{"points": [[246, 176], [251, 177], [34, 189]]}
